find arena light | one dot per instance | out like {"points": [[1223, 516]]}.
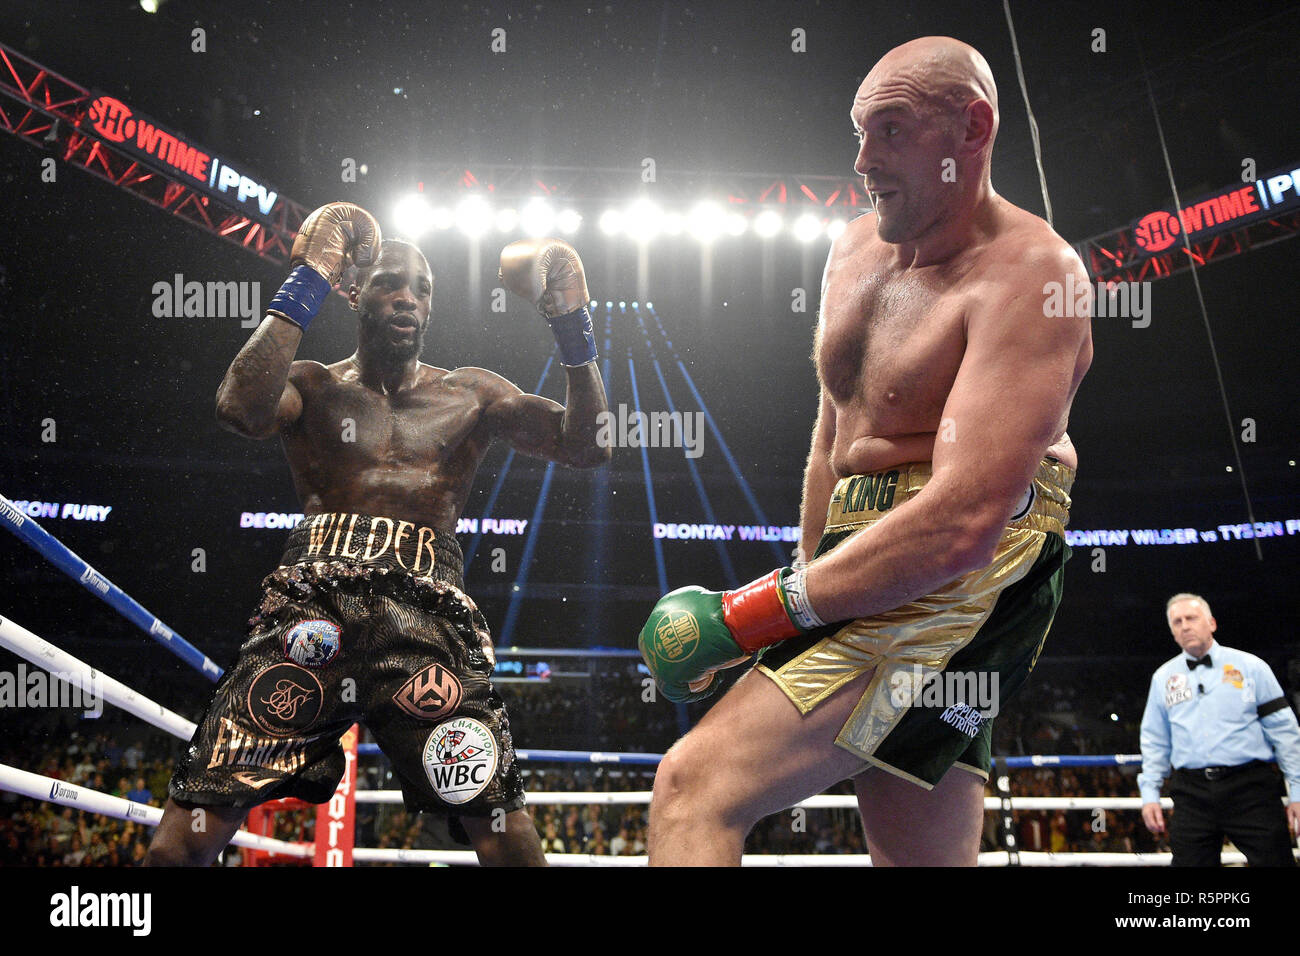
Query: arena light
{"points": [[473, 216], [835, 228], [768, 223], [643, 220], [412, 216], [568, 221], [706, 221], [507, 220], [807, 227], [611, 222], [443, 219], [537, 218]]}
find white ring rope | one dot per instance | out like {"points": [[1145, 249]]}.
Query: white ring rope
{"points": [[76, 672], [998, 858], [80, 674], [40, 787], [823, 802]]}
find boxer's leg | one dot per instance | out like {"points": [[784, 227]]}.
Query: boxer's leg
{"points": [[752, 754], [907, 825], [192, 835], [511, 842]]}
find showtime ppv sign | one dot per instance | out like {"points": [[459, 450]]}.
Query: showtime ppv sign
{"points": [[1208, 215], [176, 155]]}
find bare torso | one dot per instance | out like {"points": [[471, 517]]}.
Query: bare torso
{"points": [[891, 341], [410, 455]]}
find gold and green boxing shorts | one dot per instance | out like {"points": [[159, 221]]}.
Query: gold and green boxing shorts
{"points": [[942, 665]]}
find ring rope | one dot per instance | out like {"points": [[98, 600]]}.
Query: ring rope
{"points": [[71, 564], [993, 858], [40, 787], [63, 665]]}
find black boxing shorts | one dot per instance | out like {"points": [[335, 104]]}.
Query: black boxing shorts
{"points": [[365, 620]]}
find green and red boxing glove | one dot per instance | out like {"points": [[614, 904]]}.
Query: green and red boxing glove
{"points": [[693, 633]]}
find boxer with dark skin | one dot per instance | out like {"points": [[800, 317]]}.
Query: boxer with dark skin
{"points": [[382, 433]]}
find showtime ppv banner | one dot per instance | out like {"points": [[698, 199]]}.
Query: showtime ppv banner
{"points": [[176, 155], [1271, 195]]}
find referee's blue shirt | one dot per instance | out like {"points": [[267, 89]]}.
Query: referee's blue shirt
{"points": [[1222, 715]]}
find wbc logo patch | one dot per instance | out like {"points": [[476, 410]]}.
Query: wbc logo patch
{"points": [[431, 693], [460, 759], [1177, 690]]}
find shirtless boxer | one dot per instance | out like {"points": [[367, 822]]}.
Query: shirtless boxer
{"points": [[937, 484], [366, 618]]}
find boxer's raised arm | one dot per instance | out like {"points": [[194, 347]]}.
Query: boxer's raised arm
{"points": [[549, 274], [256, 398], [537, 426]]}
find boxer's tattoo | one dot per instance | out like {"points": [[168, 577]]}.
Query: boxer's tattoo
{"points": [[249, 396]]}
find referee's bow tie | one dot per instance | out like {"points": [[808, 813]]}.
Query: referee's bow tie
{"points": [[1192, 665]]}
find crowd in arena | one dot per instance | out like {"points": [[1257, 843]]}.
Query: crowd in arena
{"points": [[123, 757]]}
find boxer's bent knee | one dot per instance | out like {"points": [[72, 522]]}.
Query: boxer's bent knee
{"points": [[192, 835], [171, 852], [694, 780]]}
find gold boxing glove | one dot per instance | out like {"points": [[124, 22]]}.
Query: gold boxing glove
{"points": [[325, 241]]}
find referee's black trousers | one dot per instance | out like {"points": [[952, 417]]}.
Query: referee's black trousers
{"points": [[1242, 803]]}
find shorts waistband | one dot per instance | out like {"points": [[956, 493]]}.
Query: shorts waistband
{"points": [[860, 500], [375, 541]]}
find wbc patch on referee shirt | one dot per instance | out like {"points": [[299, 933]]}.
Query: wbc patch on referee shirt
{"points": [[1177, 689]]}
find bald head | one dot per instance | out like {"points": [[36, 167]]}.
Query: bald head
{"points": [[939, 75]]}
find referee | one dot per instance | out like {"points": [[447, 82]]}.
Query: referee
{"points": [[1217, 715]]}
